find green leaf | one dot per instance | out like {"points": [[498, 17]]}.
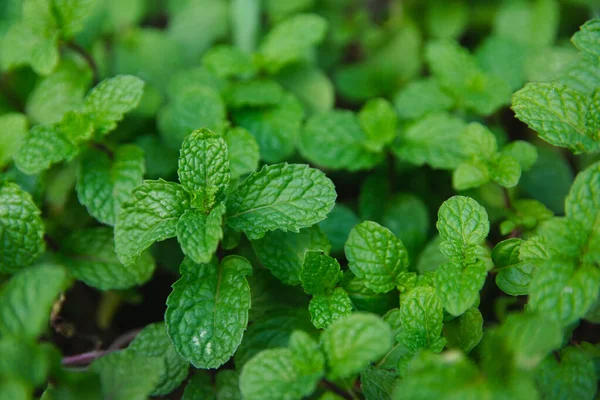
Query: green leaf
{"points": [[229, 62], [310, 85], [199, 387], [334, 139], [421, 316], [587, 39], [526, 153], [275, 128], [289, 41], [192, 108], [207, 311], [421, 97], [431, 257], [351, 343], [111, 99], [434, 140], [377, 384], [128, 375], [283, 253], [25, 360], [14, 128], [513, 276], [150, 215], [277, 11], [466, 331], [89, 255], [337, 226], [407, 216], [447, 19], [320, 273], [27, 298], [204, 168], [199, 234], [160, 161], [470, 174], [462, 223], [21, 229], [283, 373], [458, 286], [583, 205], [254, 93], [228, 385], [72, 15], [43, 146], [105, 181], [506, 171], [558, 113], [243, 152], [571, 376], [153, 341], [378, 121], [282, 196], [562, 292], [376, 255], [14, 389], [505, 58], [329, 307]]}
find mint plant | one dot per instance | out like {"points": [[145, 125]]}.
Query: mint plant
{"points": [[256, 200]]}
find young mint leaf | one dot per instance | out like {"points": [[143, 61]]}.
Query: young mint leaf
{"points": [[365, 299], [197, 77], [516, 20], [337, 226], [28, 297], [89, 255], [229, 62], [21, 229], [43, 146], [204, 168], [243, 151], [466, 331], [150, 215], [329, 307], [378, 121], [283, 373], [14, 128], [434, 140], [153, 341], [128, 375], [377, 383], [558, 113], [514, 276], [458, 286], [421, 316], [111, 99], [470, 174], [254, 93], [336, 140], [310, 85], [282, 196], [283, 253], [506, 171], [571, 375], [199, 387], [275, 128], [207, 311], [289, 41], [199, 234], [351, 343], [505, 58], [105, 181], [421, 97], [447, 19], [71, 15], [525, 153], [587, 39], [376, 255], [320, 273], [193, 107]]}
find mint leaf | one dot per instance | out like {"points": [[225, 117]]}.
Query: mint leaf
{"points": [[229, 62], [254, 93], [375, 255], [282, 196], [89, 255], [192, 108], [207, 311], [506, 171], [421, 316], [466, 331], [43, 146], [199, 387], [228, 385], [587, 38], [337, 226], [583, 205], [72, 14], [283, 253], [320, 273], [243, 152], [111, 99], [377, 383], [336, 140], [150, 215], [21, 229], [14, 128], [310, 85], [199, 234], [378, 121], [458, 286], [513, 276], [421, 97], [153, 341], [204, 168], [329, 307], [27, 298], [128, 375], [105, 182], [407, 216], [525, 153], [275, 128], [290, 40], [278, 11], [351, 343], [558, 113], [25, 361]]}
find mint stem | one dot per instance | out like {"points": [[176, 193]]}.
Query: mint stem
{"points": [[88, 59], [117, 344]]}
